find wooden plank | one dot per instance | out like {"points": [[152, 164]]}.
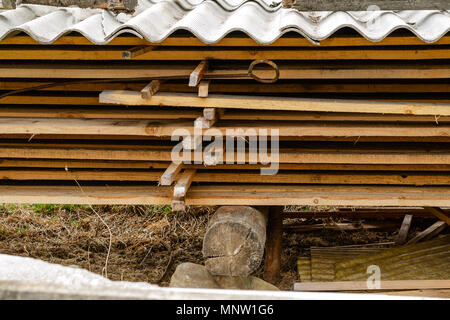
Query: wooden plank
{"points": [[196, 76], [62, 111], [362, 285], [403, 232], [149, 53], [438, 212], [219, 86], [131, 53], [181, 188], [133, 164], [339, 226], [169, 175], [77, 70], [164, 154], [364, 5], [274, 103], [81, 175], [165, 128], [231, 177], [150, 89], [429, 232], [203, 88], [284, 41], [231, 195], [183, 183]]}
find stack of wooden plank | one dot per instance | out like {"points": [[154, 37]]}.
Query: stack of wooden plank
{"points": [[360, 123]]}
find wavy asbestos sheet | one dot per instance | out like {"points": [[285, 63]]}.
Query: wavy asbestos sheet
{"points": [[263, 20]]}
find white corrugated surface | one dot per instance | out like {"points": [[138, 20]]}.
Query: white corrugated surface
{"points": [[210, 21]]}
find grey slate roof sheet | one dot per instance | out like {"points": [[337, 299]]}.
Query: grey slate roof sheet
{"points": [[211, 20]]}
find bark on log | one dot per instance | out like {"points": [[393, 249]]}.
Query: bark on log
{"points": [[234, 241]]}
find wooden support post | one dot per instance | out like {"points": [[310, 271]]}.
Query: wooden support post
{"points": [[429, 232], [150, 89], [203, 88], [272, 261], [403, 233], [198, 73], [439, 213], [169, 175], [135, 51], [234, 241]]}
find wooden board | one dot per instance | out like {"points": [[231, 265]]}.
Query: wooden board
{"points": [[273, 103], [231, 195], [164, 128], [164, 54], [362, 285], [363, 5]]}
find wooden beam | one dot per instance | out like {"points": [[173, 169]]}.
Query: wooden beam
{"points": [[163, 153], [439, 213], [135, 52], [403, 232], [429, 232], [150, 89], [231, 176], [165, 128], [84, 70], [169, 175], [362, 285], [258, 195], [274, 103], [203, 88], [149, 53], [183, 183], [196, 76], [340, 226], [272, 259]]}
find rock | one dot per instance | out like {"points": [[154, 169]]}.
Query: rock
{"points": [[191, 275]]}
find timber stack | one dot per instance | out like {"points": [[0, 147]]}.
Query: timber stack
{"points": [[92, 98]]}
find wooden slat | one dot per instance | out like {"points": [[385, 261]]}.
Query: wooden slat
{"points": [[169, 175], [164, 154], [61, 111], [273, 103], [362, 285], [231, 195], [218, 86], [439, 213], [141, 53], [76, 70], [403, 232], [164, 128], [149, 90], [130, 164], [229, 177], [429, 232]]}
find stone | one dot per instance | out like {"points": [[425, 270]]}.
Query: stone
{"points": [[191, 275]]}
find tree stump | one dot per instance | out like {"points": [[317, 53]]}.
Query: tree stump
{"points": [[234, 241]]}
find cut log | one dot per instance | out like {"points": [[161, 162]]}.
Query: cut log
{"points": [[234, 241]]}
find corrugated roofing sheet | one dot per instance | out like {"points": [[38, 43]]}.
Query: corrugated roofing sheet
{"points": [[210, 21]]}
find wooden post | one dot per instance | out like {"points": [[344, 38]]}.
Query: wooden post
{"points": [[272, 260], [234, 241]]}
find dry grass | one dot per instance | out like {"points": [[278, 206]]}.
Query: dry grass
{"points": [[148, 242]]}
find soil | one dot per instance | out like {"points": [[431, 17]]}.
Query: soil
{"points": [[144, 243]]}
